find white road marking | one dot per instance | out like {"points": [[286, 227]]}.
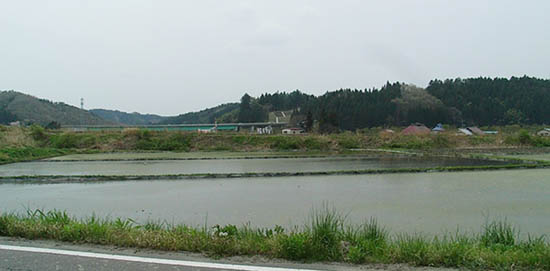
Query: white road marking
{"points": [[147, 260]]}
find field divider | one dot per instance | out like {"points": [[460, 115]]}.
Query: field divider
{"points": [[98, 178]]}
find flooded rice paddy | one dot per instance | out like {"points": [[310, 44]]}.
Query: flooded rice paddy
{"points": [[542, 157], [431, 203], [167, 167]]}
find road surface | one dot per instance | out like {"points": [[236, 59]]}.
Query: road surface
{"points": [[18, 254]]}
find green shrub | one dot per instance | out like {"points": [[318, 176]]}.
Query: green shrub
{"points": [[4, 225], [348, 142], [285, 142], [296, 246], [311, 143], [38, 133], [524, 137], [541, 141]]}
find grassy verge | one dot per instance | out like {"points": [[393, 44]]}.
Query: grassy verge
{"points": [[325, 238], [12, 155], [143, 140]]}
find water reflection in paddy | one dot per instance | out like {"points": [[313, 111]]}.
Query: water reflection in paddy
{"points": [[161, 167], [427, 202]]}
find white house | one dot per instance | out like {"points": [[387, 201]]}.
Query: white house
{"points": [[265, 131], [293, 131], [544, 132]]}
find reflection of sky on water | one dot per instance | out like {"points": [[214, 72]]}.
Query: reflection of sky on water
{"points": [[161, 167], [427, 202]]}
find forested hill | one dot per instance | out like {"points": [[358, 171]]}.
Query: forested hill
{"points": [[16, 106], [116, 116], [486, 101], [222, 113], [475, 101]]}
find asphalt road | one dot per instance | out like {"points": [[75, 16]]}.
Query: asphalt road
{"points": [[36, 258], [17, 260], [20, 254]]}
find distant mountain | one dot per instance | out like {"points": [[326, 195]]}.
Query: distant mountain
{"points": [[222, 113], [128, 118], [29, 109]]}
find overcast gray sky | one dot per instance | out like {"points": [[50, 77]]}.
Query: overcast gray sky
{"points": [[170, 57]]}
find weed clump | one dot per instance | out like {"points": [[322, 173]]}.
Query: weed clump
{"points": [[326, 228], [498, 233]]}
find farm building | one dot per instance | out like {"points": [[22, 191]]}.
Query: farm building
{"points": [[438, 128], [476, 131], [465, 131], [416, 129], [471, 131]]}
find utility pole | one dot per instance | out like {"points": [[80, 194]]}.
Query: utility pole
{"points": [[81, 113]]}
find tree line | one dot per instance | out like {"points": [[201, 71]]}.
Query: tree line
{"points": [[475, 101]]}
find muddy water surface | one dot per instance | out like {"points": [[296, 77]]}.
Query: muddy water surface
{"points": [[163, 167], [425, 202]]}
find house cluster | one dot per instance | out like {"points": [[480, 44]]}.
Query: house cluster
{"points": [[269, 130], [419, 129], [265, 130]]}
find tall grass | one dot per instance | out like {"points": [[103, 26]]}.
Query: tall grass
{"points": [[498, 233], [326, 237]]}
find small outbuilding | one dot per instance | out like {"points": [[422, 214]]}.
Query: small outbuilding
{"points": [[438, 128], [465, 131], [471, 131], [544, 132], [416, 129], [476, 130]]}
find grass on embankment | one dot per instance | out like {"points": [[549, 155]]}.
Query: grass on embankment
{"points": [[143, 140], [325, 238], [24, 144], [13, 155]]}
